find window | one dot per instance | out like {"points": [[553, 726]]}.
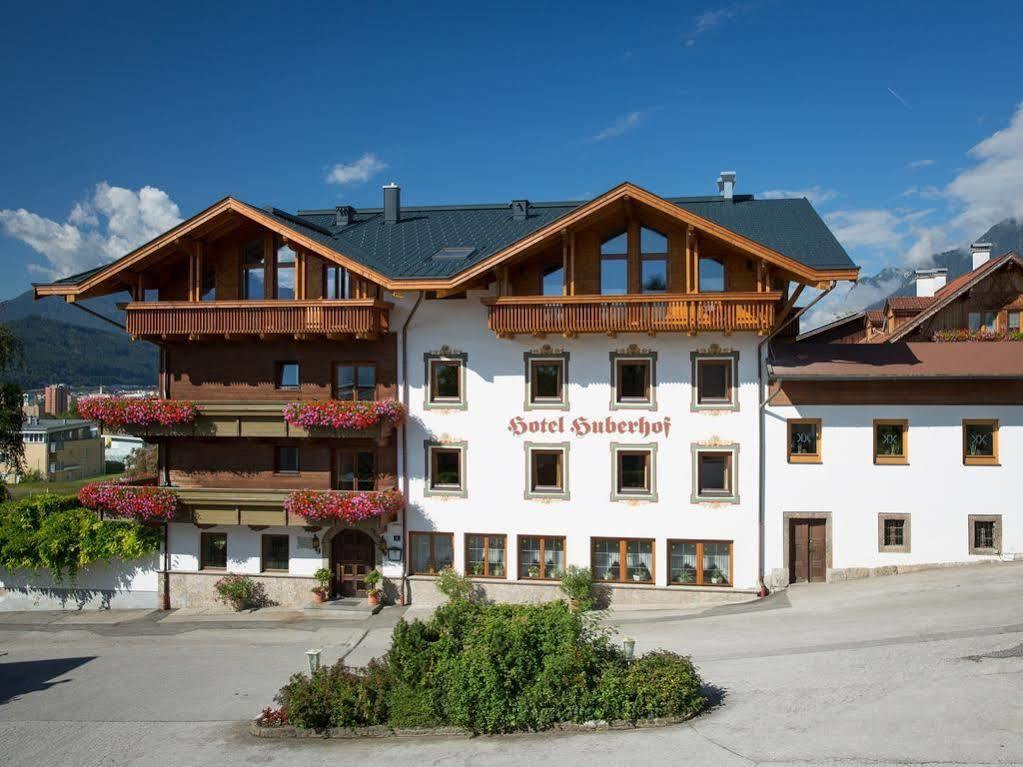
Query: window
{"points": [[714, 473], [208, 292], [485, 556], [285, 286], [446, 464], [275, 553], [355, 382], [653, 248], [632, 381], [356, 470], [552, 281], [893, 533], [253, 272], [714, 381], [541, 557], [634, 472], [986, 321], [287, 375], [985, 533], [614, 265], [431, 552], [213, 551], [546, 384], [286, 460], [804, 440], [623, 560], [980, 442], [547, 471], [336, 284], [891, 438], [1013, 321], [700, 563], [711, 275], [445, 381]]}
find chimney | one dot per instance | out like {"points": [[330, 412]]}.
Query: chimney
{"points": [[981, 252], [929, 281], [344, 215], [520, 209], [726, 184], [392, 203]]}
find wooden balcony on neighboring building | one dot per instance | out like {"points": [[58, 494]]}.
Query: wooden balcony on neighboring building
{"points": [[354, 318], [633, 313]]}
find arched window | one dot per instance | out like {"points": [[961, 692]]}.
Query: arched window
{"points": [[653, 249], [614, 265], [552, 282], [712, 276]]}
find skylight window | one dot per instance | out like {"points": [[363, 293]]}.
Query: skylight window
{"points": [[448, 253]]}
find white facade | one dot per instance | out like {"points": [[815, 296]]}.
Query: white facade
{"points": [[104, 585]]}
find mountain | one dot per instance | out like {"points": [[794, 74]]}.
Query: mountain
{"points": [[59, 352], [54, 308]]}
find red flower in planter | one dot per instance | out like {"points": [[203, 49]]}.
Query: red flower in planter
{"points": [[343, 505], [143, 503], [137, 411], [344, 414]]}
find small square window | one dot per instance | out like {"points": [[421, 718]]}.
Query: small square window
{"points": [[985, 533], [714, 474], [547, 472], [804, 440], [446, 469], [891, 439], [213, 551], [893, 533], [980, 442], [356, 470], [287, 375], [632, 382], [445, 381], [634, 472], [274, 553], [286, 459], [545, 382], [355, 382], [714, 382]]}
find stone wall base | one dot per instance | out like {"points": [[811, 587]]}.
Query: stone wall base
{"points": [[198, 589], [424, 593], [778, 578]]}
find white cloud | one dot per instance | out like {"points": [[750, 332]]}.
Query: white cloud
{"points": [[712, 19], [920, 164], [843, 301], [815, 194], [869, 228], [112, 222], [356, 172], [624, 124]]}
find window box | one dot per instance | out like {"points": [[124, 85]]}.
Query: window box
{"points": [[622, 560], [699, 563], [893, 533], [486, 556], [985, 532], [445, 464], [341, 505], [430, 552], [804, 440], [547, 471], [891, 441], [445, 380], [546, 381], [541, 557], [633, 381], [715, 474], [980, 442], [634, 472], [714, 378]]}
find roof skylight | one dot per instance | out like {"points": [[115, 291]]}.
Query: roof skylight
{"points": [[450, 253]]}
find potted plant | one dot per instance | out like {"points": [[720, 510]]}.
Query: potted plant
{"points": [[533, 571], [476, 568], [716, 577], [641, 573], [320, 591], [239, 591], [373, 578]]}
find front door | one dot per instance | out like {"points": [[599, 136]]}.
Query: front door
{"points": [[353, 554], [808, 558]]}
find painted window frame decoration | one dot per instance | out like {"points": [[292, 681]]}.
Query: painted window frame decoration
{"points": [[545, 355], [448, 491], [715, 356], [732, 451], [432, 536], [972, 459], [263, 540], [794, 457], [623, 560], [996, 521], [542, 565], [489, 570], [727, 581], [650, 493], [446, 356], [894, 548], [891, 460], [634, 354], [532, 492]]}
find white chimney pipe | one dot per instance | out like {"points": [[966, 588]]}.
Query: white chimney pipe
{"points": [[726, 184], [981, 252], [929, 281]]}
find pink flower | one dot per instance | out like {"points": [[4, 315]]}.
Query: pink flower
{"points": [[145, 503], [343, 505], [137, 411], [344, 414]]}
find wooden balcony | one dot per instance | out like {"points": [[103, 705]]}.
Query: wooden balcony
{"points": [[634, 313], [355, 318], [249, 506]]}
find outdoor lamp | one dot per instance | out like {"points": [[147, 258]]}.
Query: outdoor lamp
{"points": [[314, 659], [629, 645], [316, 544], [394, 554]]}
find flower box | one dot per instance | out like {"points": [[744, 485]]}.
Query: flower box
{"points": [[147, 412], [343, 505], [144, 503], [345, 415]]}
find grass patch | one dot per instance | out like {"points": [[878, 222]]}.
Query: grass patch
{"points": [[70, 487]]}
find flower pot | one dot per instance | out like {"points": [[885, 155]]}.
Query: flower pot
{"points": [[319, 596], [372, 599]]}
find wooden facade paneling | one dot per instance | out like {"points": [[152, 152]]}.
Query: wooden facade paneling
{"points": [[1001, 293], [897, 392]]}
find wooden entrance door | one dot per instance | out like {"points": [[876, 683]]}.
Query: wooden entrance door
{"points": [[808, 550], [353, 554]]}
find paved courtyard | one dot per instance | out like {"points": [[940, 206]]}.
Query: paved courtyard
{"points": [[922, 668]]}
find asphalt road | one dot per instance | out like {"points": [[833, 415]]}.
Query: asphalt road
{"points": [[923, 668]]}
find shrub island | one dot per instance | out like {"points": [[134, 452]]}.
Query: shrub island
{"points": [[492, 668]]}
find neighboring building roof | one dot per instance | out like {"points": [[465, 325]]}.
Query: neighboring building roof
{"points": [[998, 360], [54, 424], [852, 320], [875, 316], [909, 304]]}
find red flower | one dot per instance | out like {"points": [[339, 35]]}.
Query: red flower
{"points": [[144, 503], [347, 506], [344, 414], [137, 411]]}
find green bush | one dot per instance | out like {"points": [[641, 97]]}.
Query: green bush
{"points": [[577, 585], [496, 668], [454, 586], [240, 591]]}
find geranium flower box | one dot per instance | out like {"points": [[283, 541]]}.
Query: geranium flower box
{"points": [[349, 506], [140, 415]]}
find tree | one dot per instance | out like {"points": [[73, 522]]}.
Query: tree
{"points": [[12, 451], [141, 462]]}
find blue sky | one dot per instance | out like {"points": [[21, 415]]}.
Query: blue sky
{"points": [[901, 121]]}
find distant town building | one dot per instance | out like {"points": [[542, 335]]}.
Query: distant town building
{"points": [[59, 449], [120, 446], [56, 398]]}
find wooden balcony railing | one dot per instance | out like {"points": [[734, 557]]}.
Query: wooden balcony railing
{"points": [[360, 318], [634, 313]]}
